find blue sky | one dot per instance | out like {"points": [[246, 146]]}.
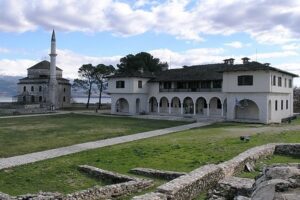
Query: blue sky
{"points": [[180, 32]]}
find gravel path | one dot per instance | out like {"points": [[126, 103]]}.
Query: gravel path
{"points": [[53, 153]]}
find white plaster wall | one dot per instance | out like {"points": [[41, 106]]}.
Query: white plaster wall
{"points": [[261, 100], [131, 85], [261, 82], [283, 88], [131, 99], [277, 116]]}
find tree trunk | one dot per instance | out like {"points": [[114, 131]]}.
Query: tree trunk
{"points": [[100, 96], [89, 96]]}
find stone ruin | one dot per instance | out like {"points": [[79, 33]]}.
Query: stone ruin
{"points": [[276, 182]]}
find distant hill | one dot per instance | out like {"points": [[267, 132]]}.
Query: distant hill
{"points": [[8, 85]]}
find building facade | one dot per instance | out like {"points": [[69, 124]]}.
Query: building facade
{"points": [[45, 84], [250, 92]]}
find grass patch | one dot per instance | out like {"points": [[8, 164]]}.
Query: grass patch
{"points": [[182, 151], [31, 134]]}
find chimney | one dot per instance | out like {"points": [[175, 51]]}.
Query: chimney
{"points": [[245, 60], [230, 61], [226, 61]]}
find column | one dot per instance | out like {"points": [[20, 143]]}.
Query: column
{"points": [[194, 108], [158, 108], [181, 109], [169, 108], [208, 109]]}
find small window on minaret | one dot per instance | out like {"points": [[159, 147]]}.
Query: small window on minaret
{"points": [[64, 89], [64, 99]]}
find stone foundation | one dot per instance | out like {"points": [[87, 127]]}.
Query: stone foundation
{"points": [[166, 175]]}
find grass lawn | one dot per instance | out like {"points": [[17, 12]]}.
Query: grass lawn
{"points": [[30, 134], [182, 151]]}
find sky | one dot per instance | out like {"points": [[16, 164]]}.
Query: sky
{"points": [[180, 32]]}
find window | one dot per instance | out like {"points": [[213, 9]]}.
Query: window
{"points": [[274, 80], [205, 84], [64, 89], [279, 81], [287, 104], [285, 82], [217, 84], [281, 104], [276, 105], [245, 80], [290, 83], [64, 99], [140, 84], [120, 84], [40, 88], [32, 88], [166, 85], [32, 99], [219, 105], [24, 99], [40, 98], [24, 89]]}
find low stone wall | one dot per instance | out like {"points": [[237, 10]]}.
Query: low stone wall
{"points": [[38, 196], [238, 163], [167, 175], [110, 191], [288, 149], [190, 185], [102, 174]]}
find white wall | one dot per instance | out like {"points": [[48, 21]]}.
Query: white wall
{"points": [[261, 82], [131, 85]]}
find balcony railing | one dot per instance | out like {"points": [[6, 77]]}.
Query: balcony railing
{"points": [[191, 90]]}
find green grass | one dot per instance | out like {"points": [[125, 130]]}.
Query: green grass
{"points": [[182, 151], [31, 134], [268, 161]]}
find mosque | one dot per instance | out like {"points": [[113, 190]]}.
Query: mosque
{"points": [[44, 84]]}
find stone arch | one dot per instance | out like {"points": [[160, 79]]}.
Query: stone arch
{"points": [[122, 106], [175, 105], [215, 106], [201, 106], [246, 109], [164, 105], [153, 105], [137, 105], [188, 105]]}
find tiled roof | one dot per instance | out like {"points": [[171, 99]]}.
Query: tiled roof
{"points": [[202, 72], [43, 65]]}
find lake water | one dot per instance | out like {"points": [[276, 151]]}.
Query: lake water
{"points": [[75, 99]]}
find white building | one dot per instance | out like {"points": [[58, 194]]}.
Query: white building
{"points": [[251, 91], [45, 84]]}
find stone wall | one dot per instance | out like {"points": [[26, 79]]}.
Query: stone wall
{"points": [[167, 175], [288, 149], [191, 185]]}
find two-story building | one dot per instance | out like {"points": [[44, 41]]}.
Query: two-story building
{"points": [[250, 91]]}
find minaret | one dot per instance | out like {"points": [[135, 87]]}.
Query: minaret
{"points": [[53, 81]]}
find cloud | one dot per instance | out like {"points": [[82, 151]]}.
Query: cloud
{"points": [[4, 50], [267, 21], [235, 44]]}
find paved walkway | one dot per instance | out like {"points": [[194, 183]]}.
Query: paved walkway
{"points": [[54, 153]]}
